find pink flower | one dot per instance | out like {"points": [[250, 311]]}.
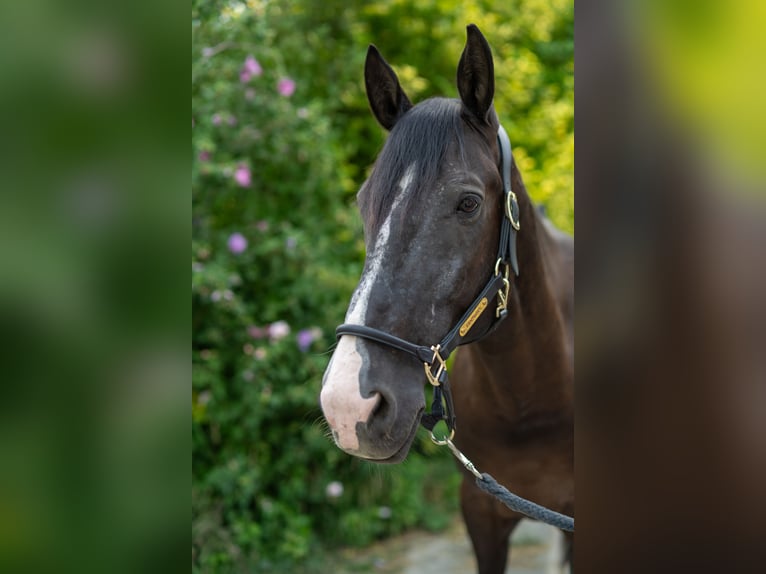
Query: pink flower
{"points": [[250, 69], [204, 155], [257, 332], [237, 243], [279, 330], [304, 338], [286, 87], [334, 489], [242, 176], [216, 119]]}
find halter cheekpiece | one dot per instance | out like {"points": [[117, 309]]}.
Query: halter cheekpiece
{"points": [[434, 357]]}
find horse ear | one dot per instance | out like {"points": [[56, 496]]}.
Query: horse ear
{"points": [[387, 99], [476, 74]]}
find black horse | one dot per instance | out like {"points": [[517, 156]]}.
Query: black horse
{"points": [[433, 211]]}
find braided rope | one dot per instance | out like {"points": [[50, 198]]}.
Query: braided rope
{"points": [[524, 506]]}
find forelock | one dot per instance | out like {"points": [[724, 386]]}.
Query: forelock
{"points": [[421, 138]]}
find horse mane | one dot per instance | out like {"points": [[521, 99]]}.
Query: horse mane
{"points": [[421, 137]]}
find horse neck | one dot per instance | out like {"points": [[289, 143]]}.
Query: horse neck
{"points": [[528, 358]]}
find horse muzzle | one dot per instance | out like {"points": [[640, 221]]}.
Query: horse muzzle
{"points": [[368, 417]]}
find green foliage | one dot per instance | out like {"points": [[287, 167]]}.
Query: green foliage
{"points": [[277, 250]]}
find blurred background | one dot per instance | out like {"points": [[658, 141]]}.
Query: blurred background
{"points": [[282, 139]]}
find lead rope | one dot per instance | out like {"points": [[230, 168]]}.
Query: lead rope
{"points": [[513, 501]]}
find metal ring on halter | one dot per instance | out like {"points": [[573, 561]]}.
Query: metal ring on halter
{"points": [[441, 367], [445, 440], [497, 266], [502, 294], [510, 201]]}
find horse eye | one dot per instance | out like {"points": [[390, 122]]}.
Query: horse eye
{"points": [[469, 204]]}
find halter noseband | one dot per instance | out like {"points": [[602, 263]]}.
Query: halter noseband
{"points": [[434, 357]]}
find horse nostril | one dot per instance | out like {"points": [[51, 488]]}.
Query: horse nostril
{"points": [[382, 407]]}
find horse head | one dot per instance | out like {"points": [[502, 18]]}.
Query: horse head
{"points": [[432, 210]]}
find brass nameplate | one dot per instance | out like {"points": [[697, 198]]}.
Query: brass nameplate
{"points": [[465, 327]]}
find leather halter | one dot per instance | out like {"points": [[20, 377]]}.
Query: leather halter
{"points": [[434, 357]]}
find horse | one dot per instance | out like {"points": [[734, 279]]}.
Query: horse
{"points": [[434, 209]]}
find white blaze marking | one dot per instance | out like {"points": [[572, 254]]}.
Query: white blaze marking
{"points": [[361, 298], [341, 400]]}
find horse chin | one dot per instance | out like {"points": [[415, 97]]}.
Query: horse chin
{"points": [[403, 450]]}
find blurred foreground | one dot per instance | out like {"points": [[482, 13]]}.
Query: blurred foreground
{"points": [[671, 369]]}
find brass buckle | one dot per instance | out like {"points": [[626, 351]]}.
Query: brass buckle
{"points": [[442, 367], [510, 198], [502, 294]]}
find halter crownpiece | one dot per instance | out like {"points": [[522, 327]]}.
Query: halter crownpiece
{"points": [[507, 250], [434, 357]]}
